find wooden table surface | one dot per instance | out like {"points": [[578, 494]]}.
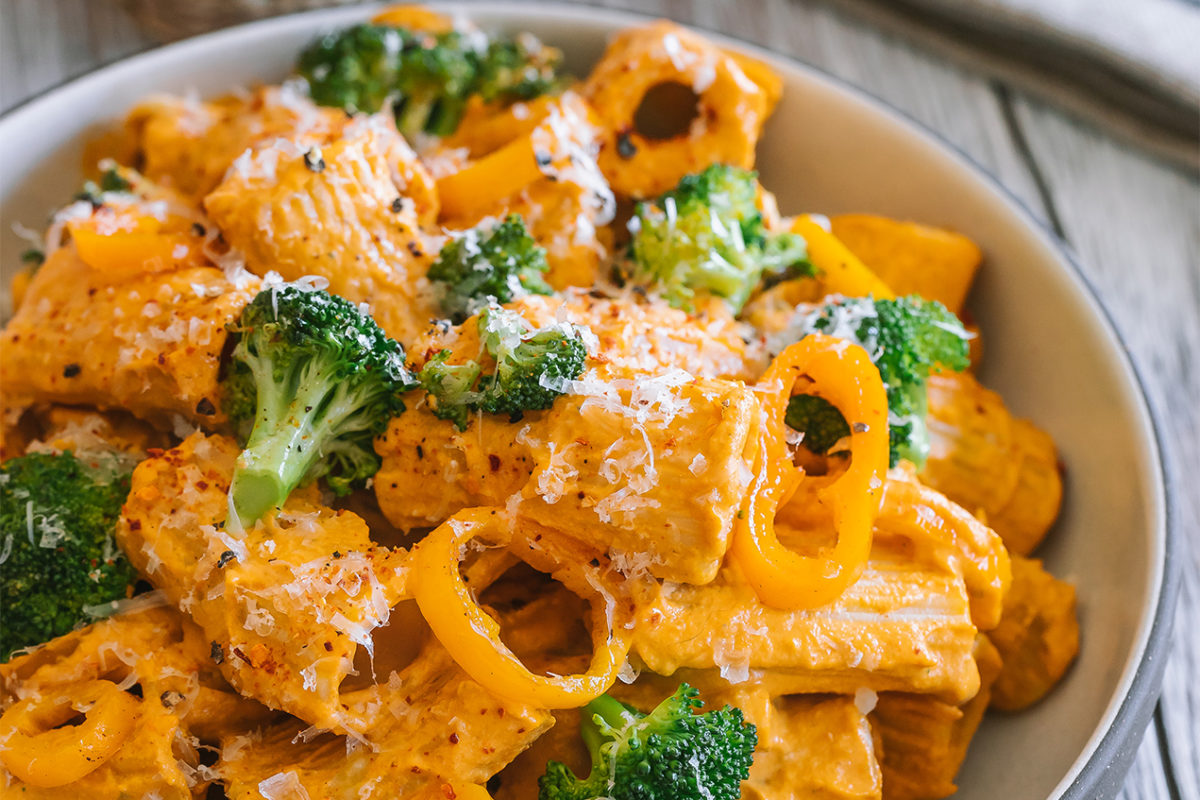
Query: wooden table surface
{"points": [[1134, 222]]}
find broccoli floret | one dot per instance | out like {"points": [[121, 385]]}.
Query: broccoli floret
{"points": [[501, 262], [356, 69], [908, 338], [452, 385], [435, 80], [707, 235], [428, 77], [110, 181], [314, 379], [57, 553], [532, 368], [672, 753], [519, 69], [820, 422]]}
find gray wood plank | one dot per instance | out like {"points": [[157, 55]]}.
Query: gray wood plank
{"points": [[1136, 226]]}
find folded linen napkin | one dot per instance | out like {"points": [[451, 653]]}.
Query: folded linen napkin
{"points": [[1131, 65]]}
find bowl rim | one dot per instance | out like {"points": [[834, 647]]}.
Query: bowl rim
{"points": [[1115, 740]]}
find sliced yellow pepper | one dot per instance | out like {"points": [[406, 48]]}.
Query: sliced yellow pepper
{"points": [[415, 18], [841, 271], [473, 637], [130, 253], [843, 374], [484, 184]]}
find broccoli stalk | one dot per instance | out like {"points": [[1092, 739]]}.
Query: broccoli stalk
{"points": [[428, 78], [908, 338], [500, 262], [532, 368], [318, 380], [706, 236], [672, 753], [57, 554]]}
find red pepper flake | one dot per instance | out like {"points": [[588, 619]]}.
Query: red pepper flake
{"points": [[454, 738], [494, 462]]}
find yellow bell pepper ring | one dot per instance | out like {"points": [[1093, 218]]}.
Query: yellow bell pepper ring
{"points": [[40, 753], [843, 374], [473, 637]]}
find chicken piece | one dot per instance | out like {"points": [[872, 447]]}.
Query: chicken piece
{"points": [[427, 727], [912, 258], [632, 331], [342, 212], [650, 466], [924, 740], [185, 699], [568, 206], [150, 344], [1038, 636], [810, 747], [990, 462], [904, 625], [286, 604]]}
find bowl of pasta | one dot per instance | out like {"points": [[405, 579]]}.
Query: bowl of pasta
{"points": [[484, 403]]}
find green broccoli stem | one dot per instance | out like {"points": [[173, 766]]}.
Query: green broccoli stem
{"points": [[613, 712], [283, 447]]}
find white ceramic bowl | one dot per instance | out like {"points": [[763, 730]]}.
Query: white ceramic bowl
{"points": [[1051, 349]]}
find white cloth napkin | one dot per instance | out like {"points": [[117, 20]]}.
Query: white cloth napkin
{"points": [[1131, 65]]}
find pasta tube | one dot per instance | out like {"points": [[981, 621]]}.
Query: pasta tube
{"points": [[924, 740], [189, 144], [731, 107], [1038, 636], [904, 625], [985, 459]]}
